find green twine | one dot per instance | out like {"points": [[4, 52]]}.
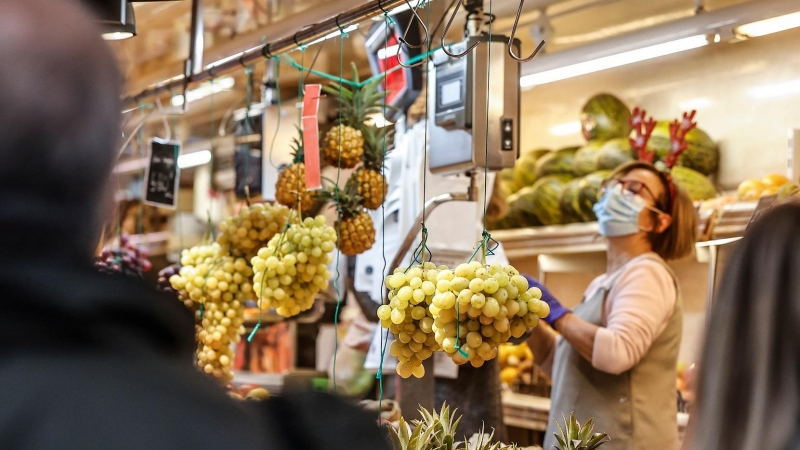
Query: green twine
{"points": [[339, 222], [487, 243], [458, 333], [249, 72], [211, 132], [300, 84], [264, 277], [384, 335]]}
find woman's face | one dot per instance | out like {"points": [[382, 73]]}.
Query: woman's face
{"points": [[649, 187]]}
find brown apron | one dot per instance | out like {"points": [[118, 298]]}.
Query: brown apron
{"points": [[638, 408]]}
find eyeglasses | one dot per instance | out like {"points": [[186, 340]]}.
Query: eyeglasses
{"points": [[630, 187]]}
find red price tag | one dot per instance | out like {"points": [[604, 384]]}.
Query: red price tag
{"points": [[311, 136]]}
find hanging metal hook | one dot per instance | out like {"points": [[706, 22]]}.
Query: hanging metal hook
{"points": [[403, 40], [514, 33], [447, 28]]}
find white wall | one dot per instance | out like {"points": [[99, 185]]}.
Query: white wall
{"points": [[716, 80]]}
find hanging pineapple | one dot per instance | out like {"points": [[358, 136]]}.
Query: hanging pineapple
{"points": [[343, 145], [357, 232], [370, 180], [290, 190]]}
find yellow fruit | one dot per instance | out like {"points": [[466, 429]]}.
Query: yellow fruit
{"points": [[351, 141], [291, 185], [258, 394], [357, 234], [509, 375], [771, 190], [774, 179], [371, 187], [750, 189]]}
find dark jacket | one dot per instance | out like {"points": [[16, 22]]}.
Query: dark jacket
{"points": [[92, 361]]}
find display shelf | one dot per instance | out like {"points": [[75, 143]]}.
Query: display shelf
{"points": [[155, 244], [729, 222], [270, 381], [533, 413]]}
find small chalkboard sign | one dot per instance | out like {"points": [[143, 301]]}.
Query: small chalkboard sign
{"points": [[764, 204], [161, 186]]}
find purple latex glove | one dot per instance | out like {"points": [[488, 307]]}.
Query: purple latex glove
{"points": [[557, 310]]}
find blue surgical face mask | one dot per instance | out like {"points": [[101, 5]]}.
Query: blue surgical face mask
{"points": [[618, 213]]}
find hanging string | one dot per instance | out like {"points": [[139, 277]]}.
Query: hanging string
{"points": [[177, 200], [277, 63], [384, 335], [249, 73], [300, 84], [339, 222], [211, 133]]}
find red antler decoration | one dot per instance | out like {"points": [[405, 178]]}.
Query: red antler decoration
{"points": [[643, 128], [677, 136]]}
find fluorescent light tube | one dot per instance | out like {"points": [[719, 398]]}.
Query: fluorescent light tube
{"points": [[608, 62], [204, 90], [194, 159], [566, 129], [775, 90], [769, 26]]}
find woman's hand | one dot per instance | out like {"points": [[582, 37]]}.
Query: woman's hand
{"points": [[557, 310]]}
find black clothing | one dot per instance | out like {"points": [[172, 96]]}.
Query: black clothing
{"points": [[92, 361]]}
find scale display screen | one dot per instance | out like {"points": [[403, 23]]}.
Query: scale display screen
{"points": [[450, 93]]}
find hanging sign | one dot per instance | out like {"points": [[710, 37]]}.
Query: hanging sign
{"points": [[311, 94], [163, 173]]}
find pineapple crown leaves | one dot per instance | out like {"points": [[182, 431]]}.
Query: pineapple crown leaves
{"points": [[298, 153], [576, 437], [374, 138], [347, 201], [405, 439], [360, 101]]}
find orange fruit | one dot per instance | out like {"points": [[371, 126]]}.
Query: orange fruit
{"points": [[775, 179]]}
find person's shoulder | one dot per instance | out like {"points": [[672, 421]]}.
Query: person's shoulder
{"points": [[321, 421]]}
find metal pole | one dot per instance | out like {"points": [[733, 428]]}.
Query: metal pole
{"points": [[283, 45], [194, 64]]}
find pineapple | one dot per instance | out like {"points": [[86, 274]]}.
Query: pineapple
{"points": [[290, 190], [369, 178], [575, 437], [343, 146], [357, 232]]}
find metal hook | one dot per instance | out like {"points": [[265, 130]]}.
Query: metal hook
{"points": [[402, 39], [447, 28], [514, 33]]}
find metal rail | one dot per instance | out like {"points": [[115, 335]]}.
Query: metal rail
{"points": [[283, 45]]}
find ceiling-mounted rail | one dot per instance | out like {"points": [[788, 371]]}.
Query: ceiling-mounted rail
{"points": [[303, 37]]}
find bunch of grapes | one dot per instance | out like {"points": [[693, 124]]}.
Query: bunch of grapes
{"points": [[222, 323], [219, 285], [293, 267], [408, 317], [190, 280], [127, 259], [164, 275], [243, 234], [476, 308]]}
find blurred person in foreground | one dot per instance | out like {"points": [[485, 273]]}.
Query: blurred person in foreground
{"points": [[748, 393], [93, 361]]}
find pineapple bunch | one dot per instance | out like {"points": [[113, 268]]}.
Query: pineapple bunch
{"points": [[408, 318], [343, 145], [573, 436], [437, 431], [476, 308], [290, 189], [220, 285], [243, 234], [355, 226], [293, 267], [369, 177]]}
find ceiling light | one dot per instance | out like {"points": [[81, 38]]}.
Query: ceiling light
{"points": [[769, 26], [776, 90], [695, 103], [204, 90], [608, 62], [194, 159], [566, 129], [124, 30]]}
